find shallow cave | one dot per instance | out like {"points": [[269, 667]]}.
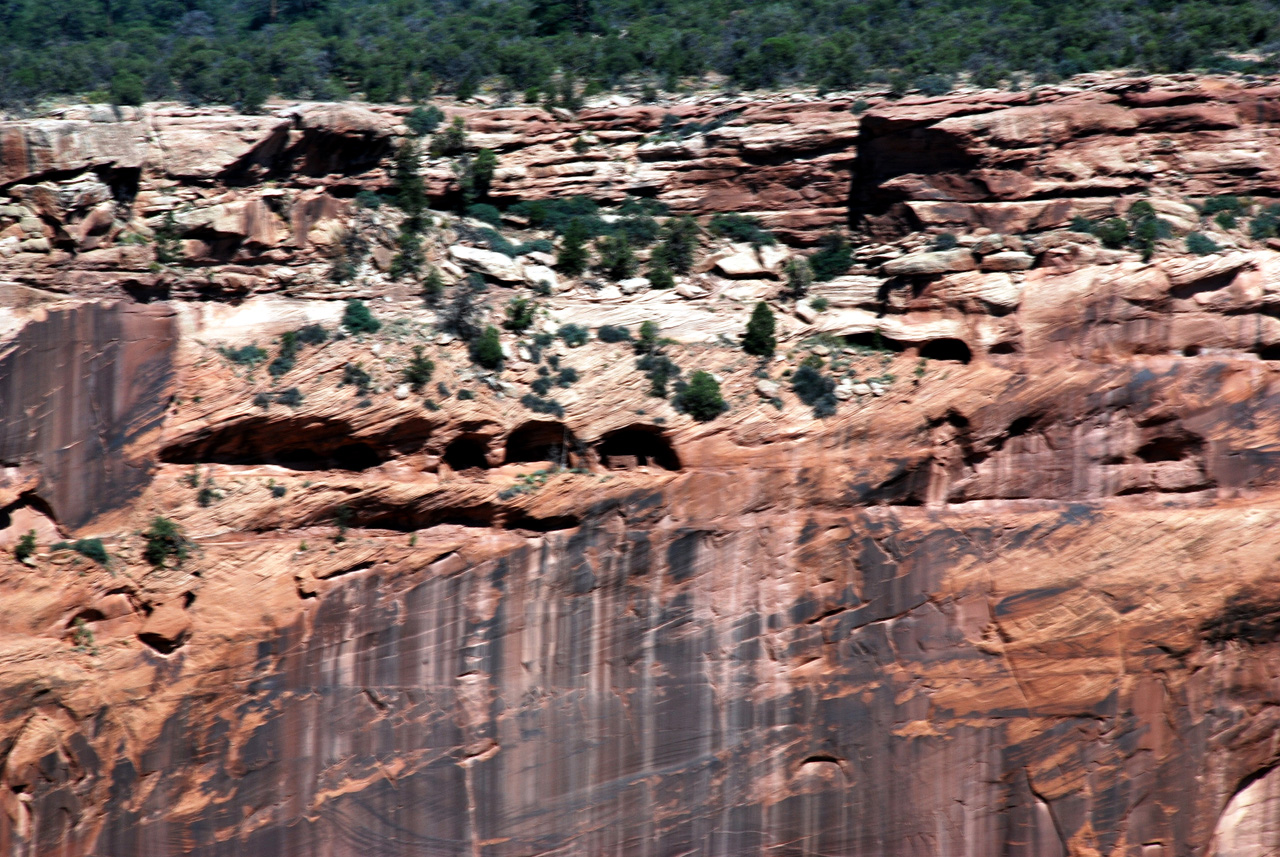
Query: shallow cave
{"points": [[876, 341], [637, 446], [467, 452], [298, 444], [1269, 352], [542, 440], [411, 517], [1177, 447], [954, 350]]}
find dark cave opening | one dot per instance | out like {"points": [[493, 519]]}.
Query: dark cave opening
{"points": [[542, 440], [467, 452], [954, 350], [637, 446]]}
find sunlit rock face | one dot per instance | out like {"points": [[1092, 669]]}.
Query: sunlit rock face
{"points": [[1017, 596]]}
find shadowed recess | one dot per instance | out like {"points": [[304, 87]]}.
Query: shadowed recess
{"points": [[542, 440], [637, 445]]}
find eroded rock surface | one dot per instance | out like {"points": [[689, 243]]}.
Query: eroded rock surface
{"points": [[1016, 596]]}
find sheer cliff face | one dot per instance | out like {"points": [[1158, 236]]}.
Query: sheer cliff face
{"points": [[1019, 598]]}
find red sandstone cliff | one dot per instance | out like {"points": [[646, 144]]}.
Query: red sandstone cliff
{"points": [[1015, 597]]}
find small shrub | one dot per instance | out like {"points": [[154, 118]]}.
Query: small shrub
{"points": [[278, 491], [573, 256], [944, 241], [933, 84], [342, 517], [541, 386], [290, 397], [679, 245], [354, 374], [248, 355], [661, 370], [642, 205], [1112, 233], [281, 365], [701, 397], [368, 200], [89, 548], [1225, 220], [660, 277], [418, 373], [759, 339], [820, 304], [312, 334], [613, 333], [465, 395], [639, 229], [262, 400], [357, 318], [741, 228], [207, 496], [617, 261], [647, 343], [424, 120], [567, 377], [451, 141], [833, 258], [485, 212], [25, 547], [542, 406], [1081, 224], [574, 335], [1215, 204], [165, 541], [1201, 244], [799, 277], [859, 107], [520, 314], [432, 287], [486, 350], [815, 390]]}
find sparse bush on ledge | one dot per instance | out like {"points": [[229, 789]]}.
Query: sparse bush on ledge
{"points": [[165, 541]]}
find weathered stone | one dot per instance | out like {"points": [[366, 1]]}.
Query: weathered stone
{"points": [[1007, 261], [491, 264], [930, 263]]}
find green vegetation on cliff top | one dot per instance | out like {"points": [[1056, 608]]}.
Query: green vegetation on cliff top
{"points": [[240, 51]]}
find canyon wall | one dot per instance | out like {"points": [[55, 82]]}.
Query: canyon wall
{"points": [[1017, 596]]}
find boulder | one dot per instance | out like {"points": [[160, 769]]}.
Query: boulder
{"points": [[206, 147], [751, 262], [491, 264], [633, 285], [32, 148], [930, 263], [535, 274], [1007, 261]]}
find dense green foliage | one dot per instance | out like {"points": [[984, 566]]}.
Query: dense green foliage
{"points": [[26, 546], [357, 318], [418, 372], [815, 390], [238, 51], [759, 339], [701, 398], [486, 349], [165, 541], [91, 548]]}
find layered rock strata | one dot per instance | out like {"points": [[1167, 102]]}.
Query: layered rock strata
{"points": [[1017, 596]]}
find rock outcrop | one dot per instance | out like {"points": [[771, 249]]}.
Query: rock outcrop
{"points": [[1016, 595]]}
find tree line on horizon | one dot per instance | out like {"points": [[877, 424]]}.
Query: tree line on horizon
{"points": [[241, 51]]}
